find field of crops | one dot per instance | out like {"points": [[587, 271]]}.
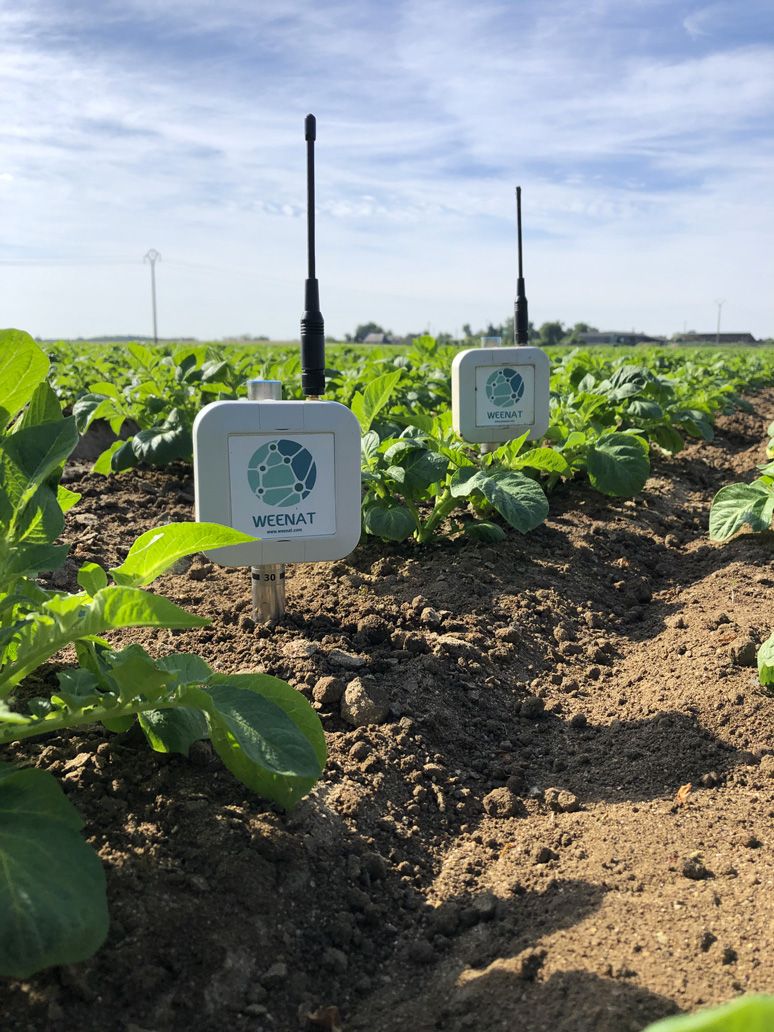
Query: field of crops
{"points": [[607, 410], [508, 765]]}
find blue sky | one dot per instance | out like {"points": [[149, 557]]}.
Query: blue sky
{"points": [[641, 132]]}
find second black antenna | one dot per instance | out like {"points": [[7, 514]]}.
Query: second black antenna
{"points": [[521, 319]]}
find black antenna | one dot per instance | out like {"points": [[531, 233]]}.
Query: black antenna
{"points": [[521, 322], [312, 325]]}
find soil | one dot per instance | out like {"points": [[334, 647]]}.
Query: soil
{"points": [[563, 823]]}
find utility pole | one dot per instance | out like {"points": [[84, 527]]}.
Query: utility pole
{"points": [[719, 302], [152, 257]]}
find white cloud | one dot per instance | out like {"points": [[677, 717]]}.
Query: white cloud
{"points": [[644, 152]]}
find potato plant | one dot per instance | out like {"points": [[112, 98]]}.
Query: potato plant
{"points": [[416, 480], [607, 412], [162, 400], [739, 507], [52, 888]]}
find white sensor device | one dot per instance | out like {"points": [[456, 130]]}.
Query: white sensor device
{"points": [[287, 472], [499, 393]]}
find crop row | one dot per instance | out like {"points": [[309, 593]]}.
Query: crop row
{"points": [[53, 906], [416, 474], [607, 411]]}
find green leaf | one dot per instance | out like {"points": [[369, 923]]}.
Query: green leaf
{"points": [[105, 387], [745, 1014], [162, 445], [483, 530], [92, 578], [668, 438], [118, 725], [575, 440], [215, 371], [29, 513], [123, 457], [66, 498], [144, 357], [369, 445], [267, 735], [174, 730], [694, 422], [63, 619], [13, 483], [520, 500], [29, 560], [78, 684], [154, 552], [22, 367], [507, 452], [292, 703], [642, 408], [547, 460], [618, 465], [53, 907], [132, 607], [369, 404], [737, 506], [90, 407], [44, 407], [418, 468], [188, 667], [132, 675], [104, 462], [37, 451], [41, 520], [389, 520], [626, 382], [766, 662]]}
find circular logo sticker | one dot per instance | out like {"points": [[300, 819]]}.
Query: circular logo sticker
{"points": [[504, 387], [281, 473]]}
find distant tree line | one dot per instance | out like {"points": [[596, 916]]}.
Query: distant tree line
{"points": [[365, 330], [547, 334]]}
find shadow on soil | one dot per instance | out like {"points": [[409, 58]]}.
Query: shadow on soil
{"points": [[568, 1001], [625, 761], [489, 977], [630, 760]]}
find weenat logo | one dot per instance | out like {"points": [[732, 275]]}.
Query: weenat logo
{"points": [[504, 387], [281, 473]]}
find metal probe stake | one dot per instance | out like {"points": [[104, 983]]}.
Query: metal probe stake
{"points": [[268, 582], [489, 342]]}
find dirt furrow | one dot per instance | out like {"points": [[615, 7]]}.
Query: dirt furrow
{"points": [[509, 846]]}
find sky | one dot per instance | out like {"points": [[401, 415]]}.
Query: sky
{"points": [[640, 131]]}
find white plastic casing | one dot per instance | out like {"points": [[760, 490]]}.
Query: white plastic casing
{"points": [[287, 472], [499, 393]]}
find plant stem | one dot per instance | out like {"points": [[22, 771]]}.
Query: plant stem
{"points": [[552, 481], [444, 504], [65, 721]]}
